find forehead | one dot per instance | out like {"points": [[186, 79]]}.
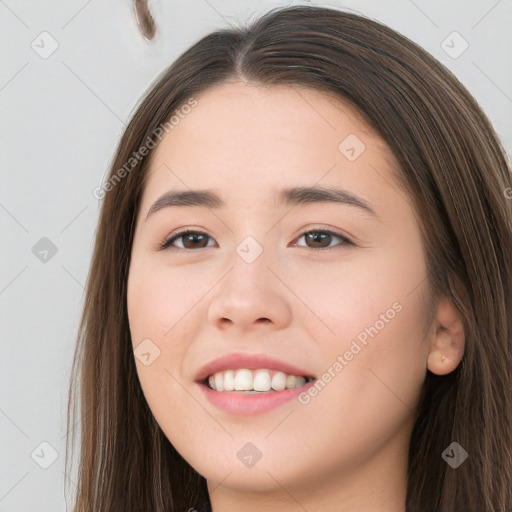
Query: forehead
{"points": [[279, 111], [242, 135]]}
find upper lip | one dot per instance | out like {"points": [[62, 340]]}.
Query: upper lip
{"points": [[250, 362]]}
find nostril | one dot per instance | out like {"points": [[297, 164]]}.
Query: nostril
{"points": [[224, 321]]}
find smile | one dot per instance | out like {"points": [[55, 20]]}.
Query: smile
{"points": [[254, 381]]}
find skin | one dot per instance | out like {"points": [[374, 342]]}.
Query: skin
{"points": [[346, 450]]}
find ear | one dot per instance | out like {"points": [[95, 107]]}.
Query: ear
{"points": [[447, 342]]}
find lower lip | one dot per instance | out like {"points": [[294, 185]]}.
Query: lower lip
{"points": [[251, 404]]}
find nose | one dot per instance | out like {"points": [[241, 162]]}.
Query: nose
{"points": [[250, 297]]}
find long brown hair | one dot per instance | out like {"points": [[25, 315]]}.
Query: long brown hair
{"points": [[455, 170]]}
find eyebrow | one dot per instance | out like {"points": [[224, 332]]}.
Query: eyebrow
{"points": [[289, 196]]}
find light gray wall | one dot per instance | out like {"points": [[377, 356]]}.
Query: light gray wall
{"points": [[62, 115]]}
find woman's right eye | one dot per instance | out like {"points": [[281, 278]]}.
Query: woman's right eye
{"points": [[190, 240]]}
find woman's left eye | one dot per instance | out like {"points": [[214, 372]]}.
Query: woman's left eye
{"points": [[320, 239]]}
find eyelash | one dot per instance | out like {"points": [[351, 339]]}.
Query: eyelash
{"points": [[167, 243]]}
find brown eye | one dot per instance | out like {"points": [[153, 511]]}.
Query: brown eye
{"points": [[190, 240], [322, 239]]}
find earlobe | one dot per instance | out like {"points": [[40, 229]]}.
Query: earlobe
{"points": [[448, 341]]}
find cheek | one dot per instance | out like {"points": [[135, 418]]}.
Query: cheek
{"points": [[154, 311], [375, 362], [161, 299], [362, 294], [162, 303], [371, 312]]}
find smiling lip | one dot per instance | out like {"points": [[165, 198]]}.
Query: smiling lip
{"points": [[238, 403], [238, 360]]}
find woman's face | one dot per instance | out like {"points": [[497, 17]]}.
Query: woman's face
{"points": [[345, 304]]}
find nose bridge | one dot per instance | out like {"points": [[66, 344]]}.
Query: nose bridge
{"points": [[250, 292], [250, 263]]}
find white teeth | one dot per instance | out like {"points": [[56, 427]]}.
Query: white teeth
{"points": [[253, 381], [290, 381], [243, 380], [262, 381], [219, 382], [279, 381], [229, 380]]}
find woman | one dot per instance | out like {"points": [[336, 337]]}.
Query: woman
{"points": [[300, 292]]}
